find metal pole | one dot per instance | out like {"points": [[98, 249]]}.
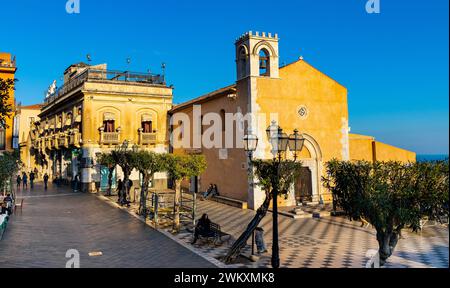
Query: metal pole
{"points": [[275, 248], [194, 199]]}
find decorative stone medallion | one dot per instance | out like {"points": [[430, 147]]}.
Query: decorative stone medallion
{"points": [[302, 112]]}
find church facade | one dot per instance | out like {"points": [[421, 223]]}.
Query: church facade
{"points": [[296, 96]]}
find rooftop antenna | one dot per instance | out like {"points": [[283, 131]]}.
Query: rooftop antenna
{"points": [[163, 67], [88, 57]]}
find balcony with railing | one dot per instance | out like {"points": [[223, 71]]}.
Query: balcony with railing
{"points": [[48, 143], [54, 141], [109, 138], [110, 76], [147, 138], [74, 139], [62, 141], [4, 63]]}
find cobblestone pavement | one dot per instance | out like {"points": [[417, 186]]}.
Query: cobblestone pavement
{"points": [[331, 241], [57, 220], [328, 242]]}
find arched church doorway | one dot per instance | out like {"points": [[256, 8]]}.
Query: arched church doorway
{"points": [[307, 187], [303, 186]]}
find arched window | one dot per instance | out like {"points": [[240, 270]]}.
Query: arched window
{"points": [[147, 123], [108, 122], [242, 62], [264, 62]]}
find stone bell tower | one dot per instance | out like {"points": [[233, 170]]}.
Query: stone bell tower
{"points": [[256, 58], [257, 55]]}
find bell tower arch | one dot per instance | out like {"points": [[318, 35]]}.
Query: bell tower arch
{"points": [[257, 55]]}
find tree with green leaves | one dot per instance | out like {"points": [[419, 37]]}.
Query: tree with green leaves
{"points": [[9, 165], [147, 163], [179, 168], [107, 160], [391, 196], [6, 109], [271, 175], [126, 160]]}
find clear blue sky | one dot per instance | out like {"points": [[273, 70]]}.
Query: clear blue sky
{"points": [[394, 64]]}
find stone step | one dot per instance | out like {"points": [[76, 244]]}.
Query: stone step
{"points": [[230, 201]]}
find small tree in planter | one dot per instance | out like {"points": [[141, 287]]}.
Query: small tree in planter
{"points": [[390, 195], [270, 175], [125, 159], [147, 163], [179, 168], [107, 160]]}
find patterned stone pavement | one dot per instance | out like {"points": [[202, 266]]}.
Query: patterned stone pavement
{"points": [[329, 242], [53, 222]]}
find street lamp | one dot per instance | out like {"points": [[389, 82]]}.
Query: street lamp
{"points": [[250, 143], [296, 142], [280, 143]]}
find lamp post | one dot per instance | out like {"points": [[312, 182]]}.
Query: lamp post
{"points": [[250, 145], [280, 143]]}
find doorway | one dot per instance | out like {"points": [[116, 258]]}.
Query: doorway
{"points": [[303, 186]]}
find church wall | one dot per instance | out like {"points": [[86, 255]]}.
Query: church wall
{"points": [[229, 174]]}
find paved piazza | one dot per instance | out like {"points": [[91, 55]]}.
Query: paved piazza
{"points": [[329, 242], [53, 222]]}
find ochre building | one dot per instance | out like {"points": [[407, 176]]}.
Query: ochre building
{"points": [[95, 110], [7, 71], [295, 96]]}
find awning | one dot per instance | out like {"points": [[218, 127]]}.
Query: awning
{"points": [[146, 118], [108, 116]]}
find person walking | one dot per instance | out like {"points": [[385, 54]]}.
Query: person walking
{"points": [[19, 181], [25, 180], [76, 185], [127, 195], [32, 177], [119, 190], [45, 181]]}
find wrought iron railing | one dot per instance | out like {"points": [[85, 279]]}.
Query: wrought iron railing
{"points": [[105, 75], [109, 137], [147, 138]]}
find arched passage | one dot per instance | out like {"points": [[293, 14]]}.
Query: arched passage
{"points": [[307, 186]]}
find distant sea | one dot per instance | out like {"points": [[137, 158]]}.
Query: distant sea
{"points": [[431, 157]]}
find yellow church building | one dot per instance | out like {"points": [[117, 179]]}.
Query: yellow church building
{"points": [[296, 96]]}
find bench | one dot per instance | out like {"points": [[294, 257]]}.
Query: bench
{"points": [[215, 237]]}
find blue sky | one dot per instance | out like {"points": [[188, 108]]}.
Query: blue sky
{"points": [[394, 64]]}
